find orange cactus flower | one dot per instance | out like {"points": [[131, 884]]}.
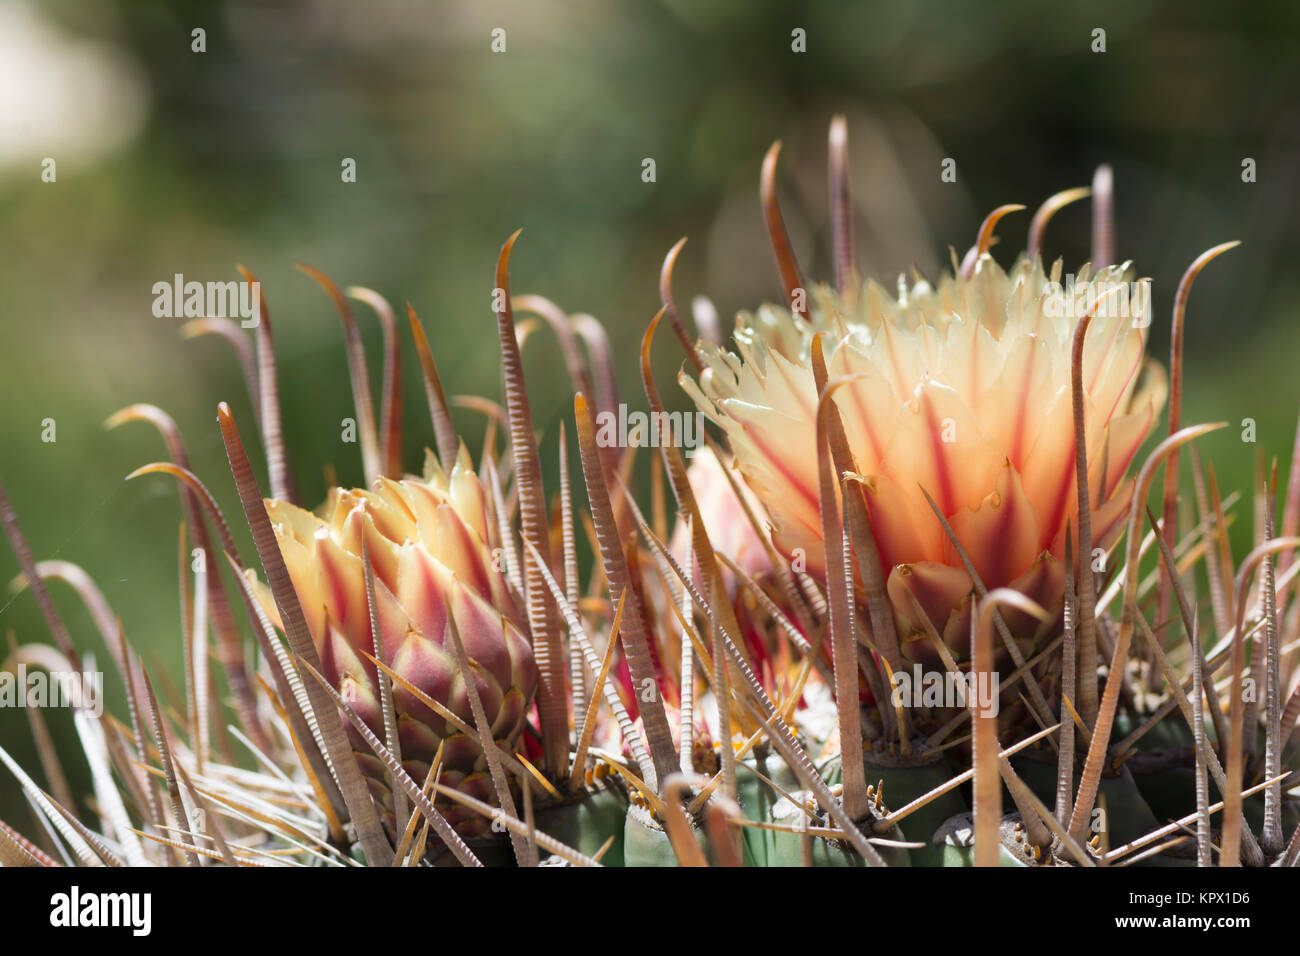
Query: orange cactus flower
{"points": [[960, 391], [428, 542]]}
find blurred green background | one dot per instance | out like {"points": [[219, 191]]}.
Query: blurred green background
{"points": [[174, 161]]}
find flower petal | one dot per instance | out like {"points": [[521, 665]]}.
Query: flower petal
{"points": [[342, 584], [943, 594], [1001, 536], [421, 590]]}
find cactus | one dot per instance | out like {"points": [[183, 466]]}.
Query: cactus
{"points": [[908, 499]]}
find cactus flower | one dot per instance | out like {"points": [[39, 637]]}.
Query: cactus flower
{"points": [[963, 390], [731, 531], [428, 542]]}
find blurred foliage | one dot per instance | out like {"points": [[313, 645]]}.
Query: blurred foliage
{"points": [[238, 161]]}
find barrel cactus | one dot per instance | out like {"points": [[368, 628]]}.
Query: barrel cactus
{"points": [[947, 479]]}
